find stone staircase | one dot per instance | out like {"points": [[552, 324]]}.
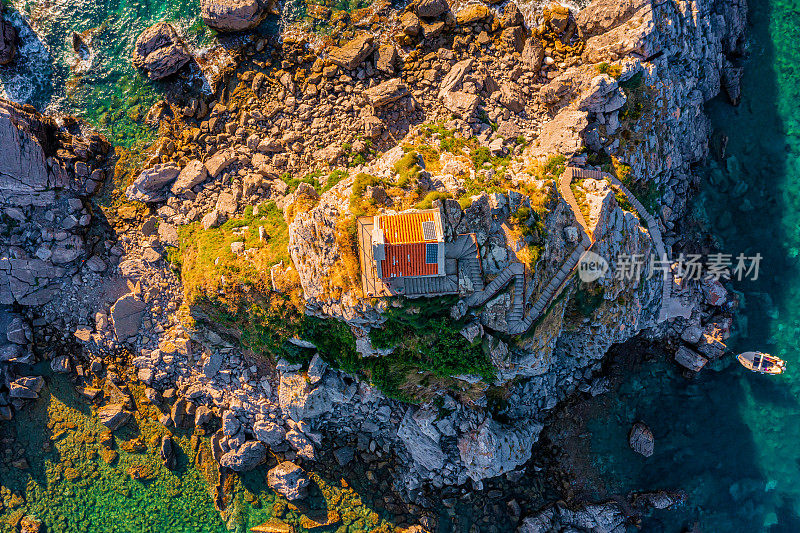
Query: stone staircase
{"points": [[518, 321], [425, 286], [464, 250]]}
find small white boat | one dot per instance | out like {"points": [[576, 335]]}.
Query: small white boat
{"points": [[763, 363]]}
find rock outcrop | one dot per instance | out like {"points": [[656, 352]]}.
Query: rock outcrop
{"points": [[8, 40], [160, 51], [151, 184], [289, 480], [232, 15]]}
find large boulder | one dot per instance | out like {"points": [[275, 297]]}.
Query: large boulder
{"points": [[151, 183], [269, 432], [232, 15], [461, 103], [219, 162], [8, 41], [246, 457], [386, 92], [641, 439], [113, 416], [354, 52], [492, 449], [289, 480], [194, 173], [421, 439], [603, 95], [160, 51], [431, 8], [25, 137], [690, 359], [126, 314]]}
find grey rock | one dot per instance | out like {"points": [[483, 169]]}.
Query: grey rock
{"points": [[690, 359], [150, 185], [230, 424], [268, 432], [219, 162], [8, 41], [126, 315], [18, 331], [316, 369], [386, 92], [641, 439], [194, 173], [431, 8], [232, 15], [212, 219], [167, 452], [160, 51], [425, 450], [246, 457], [114, 416], [354, 52], [301, 444], [60, 364], [289, 480]]}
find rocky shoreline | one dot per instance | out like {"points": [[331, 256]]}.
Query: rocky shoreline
{"points": [[473, 112]]}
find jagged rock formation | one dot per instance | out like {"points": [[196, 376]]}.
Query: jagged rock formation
{"points": [[47, 172], [160, 51], [8, 40], [545, 87], [232, 15]]}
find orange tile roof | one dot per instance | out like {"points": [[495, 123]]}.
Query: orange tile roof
{"points": [[407, 260], [405, 228]]}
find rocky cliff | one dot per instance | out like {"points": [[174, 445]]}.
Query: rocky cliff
{"points": [[475, 113]]}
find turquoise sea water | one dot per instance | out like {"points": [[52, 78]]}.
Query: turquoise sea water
{"points": [[731, 438], [104, 87]]}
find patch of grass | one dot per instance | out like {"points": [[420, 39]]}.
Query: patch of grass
{"points": [[208, 266], [580, 197], [407, 169], [425, 340], [360, 183], [638, 100], [333, 179], [647, 192], [431, 197]]}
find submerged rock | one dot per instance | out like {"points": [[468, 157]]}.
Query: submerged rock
{"points": [[289, 480], [641, 439], [160, 51]]}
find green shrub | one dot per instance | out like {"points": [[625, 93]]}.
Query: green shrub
{"points": [[479, 156], [407, 169], [361, 182], [431, 197], [615, 71], [334, 178]]}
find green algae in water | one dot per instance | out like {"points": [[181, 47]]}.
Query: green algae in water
{"points": [[71, 489], [111, 94]]}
